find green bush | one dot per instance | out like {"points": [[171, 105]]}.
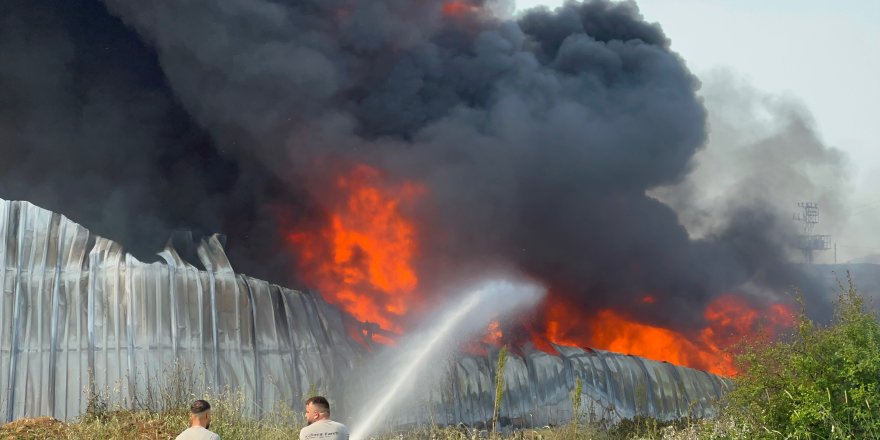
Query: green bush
{"points": [[823, 382]]}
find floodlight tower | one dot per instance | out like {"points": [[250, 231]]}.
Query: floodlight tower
{"points": [[809, 242]]}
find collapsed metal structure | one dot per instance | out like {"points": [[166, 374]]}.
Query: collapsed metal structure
{"points": [[80, 317]]}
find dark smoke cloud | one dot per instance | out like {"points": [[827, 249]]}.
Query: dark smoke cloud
{"points": [[90, 129], [537, 140], [764, 150]]}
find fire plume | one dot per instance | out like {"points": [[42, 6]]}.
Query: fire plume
{"points": [[362, 258], [728, 319], [613, 332]]}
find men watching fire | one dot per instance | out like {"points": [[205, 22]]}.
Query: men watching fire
{"points": [[319, 424], [200, 420]]}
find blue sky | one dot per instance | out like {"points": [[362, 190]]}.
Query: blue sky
{"points": [[825, 55]]}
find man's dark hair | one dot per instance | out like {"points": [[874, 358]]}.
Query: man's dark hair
{"points": [[199, 406], [320, 402]]}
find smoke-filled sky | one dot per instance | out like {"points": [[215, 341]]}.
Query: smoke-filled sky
{"points": [[822, 56], [570, 145]]}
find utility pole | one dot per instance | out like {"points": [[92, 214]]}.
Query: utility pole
{"points": [[809, 242]]}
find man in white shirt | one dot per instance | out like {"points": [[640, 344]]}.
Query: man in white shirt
{"points": [[200, 420], [320, 427]]}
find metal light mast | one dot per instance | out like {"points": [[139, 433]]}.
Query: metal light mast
{"points": [[809, 242]]}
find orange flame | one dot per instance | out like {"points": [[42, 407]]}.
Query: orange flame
{"points": [[729, 318], [613, 332], [493, 335], [362, 259], [457, 8]]}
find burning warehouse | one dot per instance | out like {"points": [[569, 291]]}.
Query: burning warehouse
{"points": [[84, 320], [374, 153]]}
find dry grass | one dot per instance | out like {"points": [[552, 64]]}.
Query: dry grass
{"points": [[122, 424], [164, 414], [142, 425], [39, 428]]}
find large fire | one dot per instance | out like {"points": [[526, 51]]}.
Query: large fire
{"points": [[729, 318], [362, 259]]}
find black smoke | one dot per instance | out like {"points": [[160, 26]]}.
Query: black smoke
{"points": [[90, 128], [538, 139]]}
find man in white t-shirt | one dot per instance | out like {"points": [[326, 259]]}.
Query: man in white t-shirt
{"points": [[200, 420], [320, 426]]}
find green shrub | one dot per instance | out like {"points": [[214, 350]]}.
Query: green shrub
{"points": [[821, 382]]}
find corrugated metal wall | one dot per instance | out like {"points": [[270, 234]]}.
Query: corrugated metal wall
{"points": [[78, 316], [538, 389]]}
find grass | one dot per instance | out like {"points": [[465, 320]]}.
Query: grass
{"points": [[163, 415], [227, 421], [165, 426], [230, 423]]}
